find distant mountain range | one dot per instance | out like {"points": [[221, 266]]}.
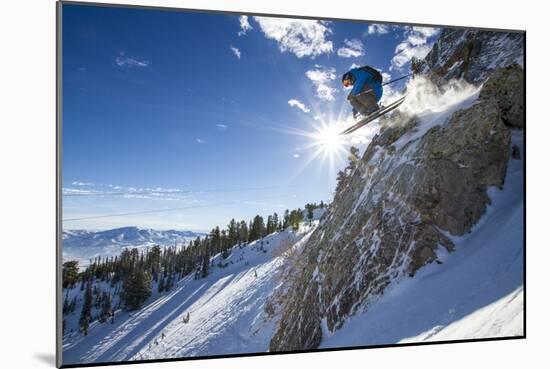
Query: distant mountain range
{"points": [[83, 245]]}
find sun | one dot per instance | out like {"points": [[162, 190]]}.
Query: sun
{"points": [[323, 144], [328, 139]]}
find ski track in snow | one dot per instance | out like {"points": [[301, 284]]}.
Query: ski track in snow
{"points": [[476, 293]]}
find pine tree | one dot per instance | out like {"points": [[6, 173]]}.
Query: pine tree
{"points": [[136, 289], [155, 256], [169, 282], [295, 217], [69, 273], [85, 314], [205, 261], [225, 244], [269, 226], [105, 307], [286, 219], [215, 239], [243, 232], [310, 213], [232, 232], [161, 285], [275, 219], [97, 294], [66, 304], [72, 306], [257, 229]]}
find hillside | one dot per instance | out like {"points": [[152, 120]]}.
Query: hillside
{"points": [[226, 310], [476, 291]]}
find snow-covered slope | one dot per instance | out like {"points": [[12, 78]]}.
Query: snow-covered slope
{"points": [[83, 245], [476, 292], [226, 311]]}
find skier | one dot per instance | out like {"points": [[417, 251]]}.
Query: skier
{"points": [[185, 318], [366, 91]]}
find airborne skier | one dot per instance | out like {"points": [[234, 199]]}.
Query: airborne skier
{"points": [[367, 89], [365, 95]]}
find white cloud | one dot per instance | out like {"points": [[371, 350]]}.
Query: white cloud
{"points": [[245, 25], [415, 44], [125, 61], [200, 140], [354, 65], [80, 192], [158, 193], [386, 77], [300, 105], [221, 126], [404, 52], [378, 29], [426, 31], [322, 78], [296, 156], [302, 37], [236, 51], [78, 183], [390, 94], [353, 49]]}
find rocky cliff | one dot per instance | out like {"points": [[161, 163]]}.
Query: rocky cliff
{"points": [[421, 179], [473, 54]]}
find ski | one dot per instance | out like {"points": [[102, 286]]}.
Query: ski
{"points": [[373, 116]]}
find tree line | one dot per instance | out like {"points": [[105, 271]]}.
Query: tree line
{"points": [[134, 273]]}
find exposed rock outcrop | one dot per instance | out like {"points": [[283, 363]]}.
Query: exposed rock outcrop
{"points": [[511, 97], [412, 187], [473, 54]]}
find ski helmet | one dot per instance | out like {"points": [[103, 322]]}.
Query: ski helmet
{"points": [[347, 75]]}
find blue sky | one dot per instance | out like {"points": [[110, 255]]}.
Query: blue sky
{"points": [[208, 116]]}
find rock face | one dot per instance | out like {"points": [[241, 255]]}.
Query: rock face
{"points": [[410, 189], [511, 98], [473, 55]]}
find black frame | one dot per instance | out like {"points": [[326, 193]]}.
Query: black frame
{"points": [[59, 229]]}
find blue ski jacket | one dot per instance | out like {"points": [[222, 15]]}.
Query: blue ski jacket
{"points": [[363, 77]]}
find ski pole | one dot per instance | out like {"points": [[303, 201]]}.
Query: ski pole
{"points": [[386, 83]]}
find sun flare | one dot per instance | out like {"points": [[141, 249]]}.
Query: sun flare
{"points": [[328, 139]]}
